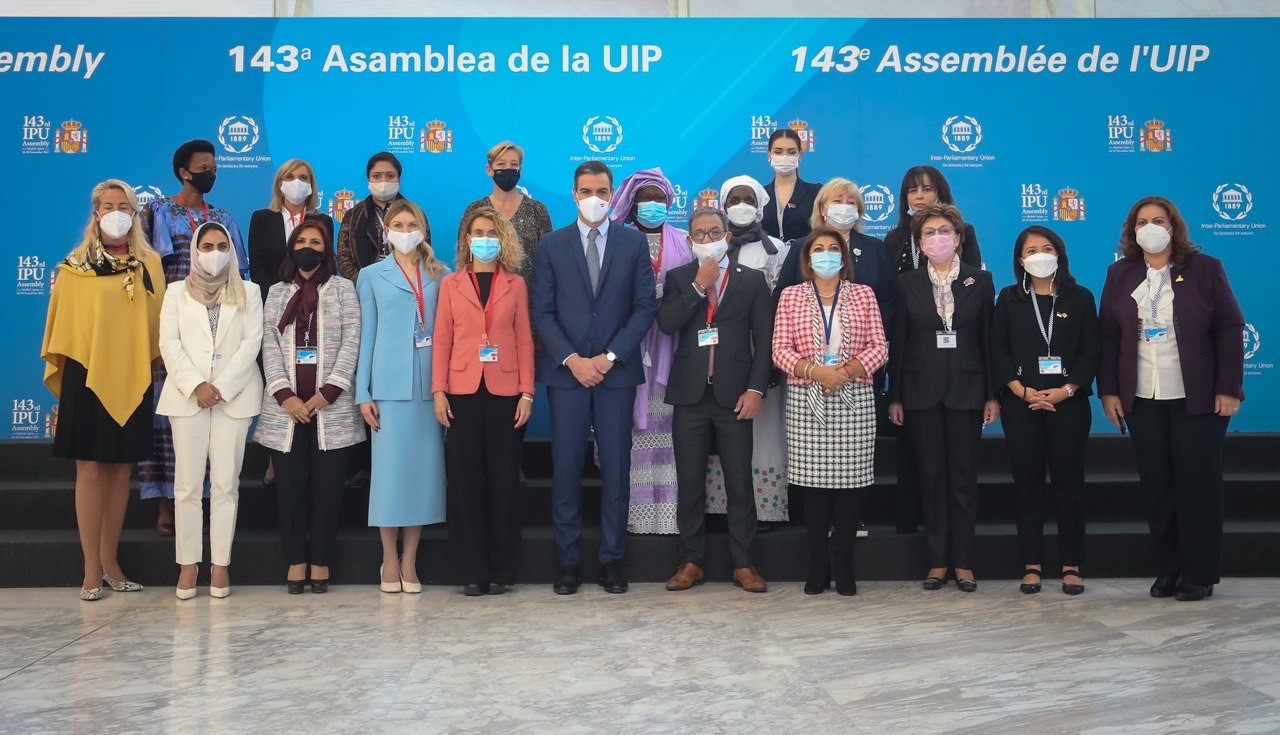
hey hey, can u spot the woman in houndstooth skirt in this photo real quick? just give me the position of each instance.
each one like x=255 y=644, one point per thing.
x=829 y=339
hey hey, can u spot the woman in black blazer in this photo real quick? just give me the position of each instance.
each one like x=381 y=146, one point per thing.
x=294 y=195
x=1045 y=348
x=940 y=386
x=791 y=197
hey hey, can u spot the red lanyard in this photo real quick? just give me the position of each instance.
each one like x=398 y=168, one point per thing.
x=711 y=308
x=657 y=264
x=195 y=224
x=475 y=281
x=416 y=287
x=292 y=224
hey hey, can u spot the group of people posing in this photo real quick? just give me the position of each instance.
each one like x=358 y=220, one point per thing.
x=717 y=368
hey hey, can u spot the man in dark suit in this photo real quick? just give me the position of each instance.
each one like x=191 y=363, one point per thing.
x=722 y=313
x=593 y=300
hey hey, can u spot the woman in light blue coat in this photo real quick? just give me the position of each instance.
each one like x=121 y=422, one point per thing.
x=393 y=388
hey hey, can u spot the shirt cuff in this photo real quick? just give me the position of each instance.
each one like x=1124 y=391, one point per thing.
x=566 y=360
x=757 y=392
x=283 y=395
x=330 y=392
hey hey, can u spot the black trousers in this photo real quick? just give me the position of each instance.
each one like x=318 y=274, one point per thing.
x=834 y=513
x=692 y=430
x=1058 y=438
x=946 y=447
x=1180 y=467
x=482 y=456
x=309 y=485
x=907 y=491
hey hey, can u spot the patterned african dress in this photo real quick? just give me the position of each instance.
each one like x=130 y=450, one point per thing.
x=169 y=225
x=769 y=430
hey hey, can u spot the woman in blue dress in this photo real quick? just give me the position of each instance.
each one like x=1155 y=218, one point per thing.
x=393 y=389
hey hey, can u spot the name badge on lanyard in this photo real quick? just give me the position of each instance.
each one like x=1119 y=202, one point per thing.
x=307 y=356
x=946 y=339
x=708 y=337
x=1050 y=365
x=1155 y=333
x=421 y=337
x=488 y=353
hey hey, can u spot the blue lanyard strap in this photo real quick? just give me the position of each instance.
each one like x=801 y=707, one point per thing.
x=828 y=319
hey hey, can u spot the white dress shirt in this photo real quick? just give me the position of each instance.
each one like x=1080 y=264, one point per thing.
x=1159 y=367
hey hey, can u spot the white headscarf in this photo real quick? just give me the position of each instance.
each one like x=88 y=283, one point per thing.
x=762 y=199
x=207 y=288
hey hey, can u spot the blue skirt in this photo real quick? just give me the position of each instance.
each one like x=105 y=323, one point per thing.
x=406 y=479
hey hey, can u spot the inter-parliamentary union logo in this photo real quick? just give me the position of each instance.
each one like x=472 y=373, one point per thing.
x=1232 y=201
x=146 y=194
x=961 y=133
x=877 y=201
x=1252 y=341
x=1068 y=205
x=238 y=134
x=72 y=137
x=602 y=133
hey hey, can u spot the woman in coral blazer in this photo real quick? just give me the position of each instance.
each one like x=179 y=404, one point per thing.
x=482 y=382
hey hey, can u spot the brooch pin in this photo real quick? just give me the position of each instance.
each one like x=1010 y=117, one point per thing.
x=1062 y=315
x=1178 y=279
x=968 y=281
x=857 y=252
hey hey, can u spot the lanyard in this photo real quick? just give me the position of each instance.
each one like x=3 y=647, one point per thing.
x=828 y=320
x=195 y=224
x=1155 y=297
x=711 y=308
x=781 y=236
x=475 y=281
x=294 y=221
x=306 y=337
x=1046 y=333
x=416 y=287
x=915 y=254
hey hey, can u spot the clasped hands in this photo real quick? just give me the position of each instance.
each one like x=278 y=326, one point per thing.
x=589 y=371
x=834 y=377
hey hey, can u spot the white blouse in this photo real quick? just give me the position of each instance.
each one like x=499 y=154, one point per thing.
x=1159 y=368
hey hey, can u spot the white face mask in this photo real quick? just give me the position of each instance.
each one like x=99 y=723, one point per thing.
x=742 y=214
x=296 y=191
x=404 y=242
x=593 y=209
x=214 y=261
x=784 y=164
x=115 y=224
x=1041 y=265
x=1152 y=238
x=705 y=251
x=384 y=191
x=842 y=216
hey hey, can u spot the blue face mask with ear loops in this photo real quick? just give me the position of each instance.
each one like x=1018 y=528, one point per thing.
x=826 y=263
x=485 y=249
x=651 y=214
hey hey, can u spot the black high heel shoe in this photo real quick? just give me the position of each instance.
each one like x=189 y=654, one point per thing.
x=1164 y=586
x=296 y=587
x=966 y=585
x=1188 y=592
x=1072 y=589
x=935 y=583
x=819 y=579
x=1034 y=587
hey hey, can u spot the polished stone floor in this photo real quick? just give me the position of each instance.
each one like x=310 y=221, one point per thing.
x=894 y=660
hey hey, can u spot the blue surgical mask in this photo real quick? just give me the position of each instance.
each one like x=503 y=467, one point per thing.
x=485 y=249
x=826 y=263
x=651 y=214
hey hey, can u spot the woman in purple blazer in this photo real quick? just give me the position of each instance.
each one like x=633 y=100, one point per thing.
x=1173 y=370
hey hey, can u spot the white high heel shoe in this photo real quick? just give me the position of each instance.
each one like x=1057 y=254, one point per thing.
x=388 y=586
x=413 y=588
x=218 y=592
x=182 y=594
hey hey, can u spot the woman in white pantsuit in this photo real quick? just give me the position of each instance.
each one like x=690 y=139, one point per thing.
x=210 y=334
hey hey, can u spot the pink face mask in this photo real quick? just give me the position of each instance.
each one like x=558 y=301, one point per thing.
x=939 y=248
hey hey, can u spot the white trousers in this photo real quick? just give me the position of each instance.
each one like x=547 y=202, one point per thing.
x=213 y=438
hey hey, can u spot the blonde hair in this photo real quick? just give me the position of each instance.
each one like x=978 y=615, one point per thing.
x=430 y=264
x=91 y=242
x=511 y=254
x=232 y=293
x=503 y=147
x=277 y=198
x=831 y=190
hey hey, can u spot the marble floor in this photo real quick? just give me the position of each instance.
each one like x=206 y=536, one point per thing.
x=894 y=660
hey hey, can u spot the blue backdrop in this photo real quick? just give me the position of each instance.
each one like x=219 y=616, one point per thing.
x=1058 y=122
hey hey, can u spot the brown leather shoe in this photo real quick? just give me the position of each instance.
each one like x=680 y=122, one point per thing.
x=685 y=577
x=749 y=579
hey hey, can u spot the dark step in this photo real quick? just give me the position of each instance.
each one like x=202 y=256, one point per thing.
x=51 y=558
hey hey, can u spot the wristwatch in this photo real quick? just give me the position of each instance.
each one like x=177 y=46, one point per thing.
x=1070 y=391
x=611 y=356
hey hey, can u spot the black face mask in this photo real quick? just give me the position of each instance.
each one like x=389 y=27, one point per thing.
x=306 y=259
x=506 y=178
x=203 y=181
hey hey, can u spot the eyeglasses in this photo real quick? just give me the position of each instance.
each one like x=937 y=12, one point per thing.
x=944 y=231
x=707 y=235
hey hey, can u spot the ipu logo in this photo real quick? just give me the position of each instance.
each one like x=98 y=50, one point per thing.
x=1232 y=201
x=877 y=201
x=1252 y=341
x=961 y=133
x=602 y=133
x=28 y=419
x=238 y=134
x=146 y=194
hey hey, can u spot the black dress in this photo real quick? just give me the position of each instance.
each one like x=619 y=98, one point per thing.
x=85 y=431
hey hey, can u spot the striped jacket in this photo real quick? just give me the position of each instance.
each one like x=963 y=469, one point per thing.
x=338 y=323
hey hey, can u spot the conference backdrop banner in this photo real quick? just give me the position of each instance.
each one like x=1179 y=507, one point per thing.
x=1061 y=123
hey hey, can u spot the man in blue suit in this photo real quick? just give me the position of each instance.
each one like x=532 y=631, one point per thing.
x=593 y=301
